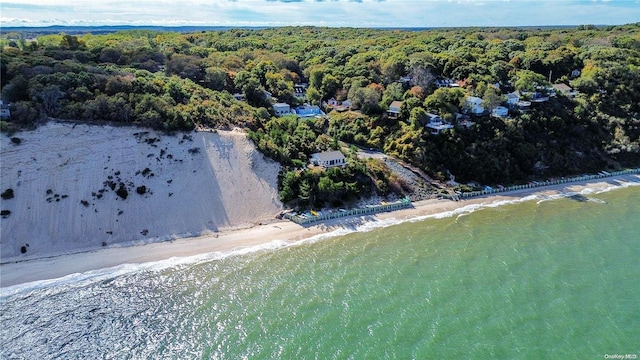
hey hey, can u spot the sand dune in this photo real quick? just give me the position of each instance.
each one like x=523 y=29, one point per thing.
x=81 y=187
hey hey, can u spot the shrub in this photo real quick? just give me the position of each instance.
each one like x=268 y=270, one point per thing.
x=122 y=191
x=7 y=194
x=141 y=189
x=16 y=140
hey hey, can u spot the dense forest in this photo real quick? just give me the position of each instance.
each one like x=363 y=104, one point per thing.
x=181 y=81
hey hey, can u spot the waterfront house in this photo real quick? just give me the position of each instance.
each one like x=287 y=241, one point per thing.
x=306 y=110
x=436 y=125
x=500 y=111
x=281 y=109
x=328 y=159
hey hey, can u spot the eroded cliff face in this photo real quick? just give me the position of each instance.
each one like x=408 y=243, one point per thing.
x=81 y=187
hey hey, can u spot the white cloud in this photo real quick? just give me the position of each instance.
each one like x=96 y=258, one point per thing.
x=389 y=13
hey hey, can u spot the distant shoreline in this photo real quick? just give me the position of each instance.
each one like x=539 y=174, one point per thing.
x=106 y=29
x=284 y=232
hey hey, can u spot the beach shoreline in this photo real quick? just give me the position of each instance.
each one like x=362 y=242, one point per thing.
x=283 y=232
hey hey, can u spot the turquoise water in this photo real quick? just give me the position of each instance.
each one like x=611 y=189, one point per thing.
x=532 y=280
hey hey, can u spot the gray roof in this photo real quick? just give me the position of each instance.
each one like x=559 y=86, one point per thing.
x=328 y=155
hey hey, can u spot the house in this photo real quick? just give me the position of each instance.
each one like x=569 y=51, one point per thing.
x=394 y=109
x=463 y=121
x=267 y=95
x=300 y=91
x=436 y=125
x=282 y=109
x=475 y=105
x=447 y=83
x=341 y=107
x=328 y=159
x=513 y=98
x=500 y=111
x=575 y=73
x=332 y=102
x=538 y=97
x=239 y=97
x=5 y=113
x=466 y=123
x=307 y=110
x=564 y=89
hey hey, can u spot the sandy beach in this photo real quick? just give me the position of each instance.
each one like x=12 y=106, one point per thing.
x=79 y=187
x=281 y=231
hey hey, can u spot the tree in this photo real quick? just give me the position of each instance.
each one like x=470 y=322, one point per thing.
x=49 y=96
x=313 y=95
x=365 y=98
x=215 y=78
x=185 y=66
x=394 y=67
x=250 y=86
x=330 y=85
x=445 y=101
x=393 y=92
x=288 y=186
x=492 y=98
x=421 y=76
x=500 y=71
x=418 y=117
x=71 y=42
x=527 y=80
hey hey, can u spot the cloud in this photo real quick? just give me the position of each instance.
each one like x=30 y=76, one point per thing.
x=353 y=13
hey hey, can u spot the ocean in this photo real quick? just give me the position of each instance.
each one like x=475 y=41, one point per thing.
x=544 y=278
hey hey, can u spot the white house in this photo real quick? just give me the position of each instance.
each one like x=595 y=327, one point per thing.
x=328 y=159
x=347 y=103
x=500 y=111
x=394 y=108
x=436 y=125
x=281 y=109
x=513 y=98
x=475 y=105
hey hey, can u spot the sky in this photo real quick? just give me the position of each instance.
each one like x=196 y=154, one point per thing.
x=334 y=13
